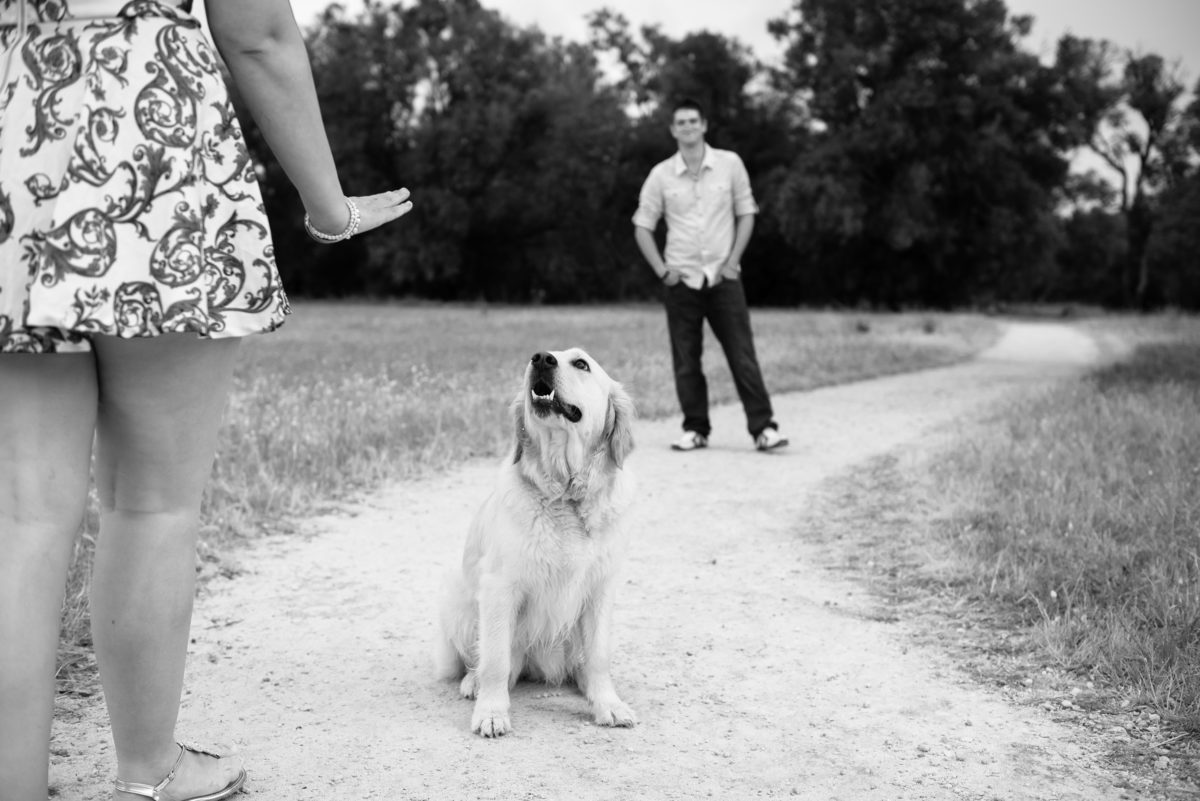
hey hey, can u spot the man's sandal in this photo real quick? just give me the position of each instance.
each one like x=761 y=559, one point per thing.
x=155 y=791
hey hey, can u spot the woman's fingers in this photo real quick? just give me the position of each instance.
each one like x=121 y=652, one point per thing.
x=383 y=200
x=377 y=210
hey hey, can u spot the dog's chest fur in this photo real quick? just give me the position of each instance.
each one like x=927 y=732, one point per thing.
x=569 y=553
x=566 y=540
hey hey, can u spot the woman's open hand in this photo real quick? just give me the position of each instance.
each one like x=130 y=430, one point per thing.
x=357 y=214
x=377 y=210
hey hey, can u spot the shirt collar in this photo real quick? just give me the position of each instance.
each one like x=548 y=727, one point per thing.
x=705 y=163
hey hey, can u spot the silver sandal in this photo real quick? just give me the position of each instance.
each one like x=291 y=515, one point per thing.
x=155 y=791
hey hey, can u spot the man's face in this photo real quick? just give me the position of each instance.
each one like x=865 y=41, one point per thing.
x=688 y=127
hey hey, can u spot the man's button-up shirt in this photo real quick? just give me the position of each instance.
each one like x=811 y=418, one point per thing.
x=700 y=211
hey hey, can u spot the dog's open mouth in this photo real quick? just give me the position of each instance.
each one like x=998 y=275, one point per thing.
x=545 y=401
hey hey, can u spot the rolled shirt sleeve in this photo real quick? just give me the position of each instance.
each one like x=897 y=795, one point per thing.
x=650 y=202
x=743 y=195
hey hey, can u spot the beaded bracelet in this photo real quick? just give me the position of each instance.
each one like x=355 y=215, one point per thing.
x=351 y=227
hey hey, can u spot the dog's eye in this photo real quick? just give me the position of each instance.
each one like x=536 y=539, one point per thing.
x=582 y=365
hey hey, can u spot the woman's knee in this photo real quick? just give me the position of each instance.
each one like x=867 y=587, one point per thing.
x=46 y=430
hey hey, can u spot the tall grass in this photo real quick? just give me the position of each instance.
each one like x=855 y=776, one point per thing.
x=1083 y=517
x=347 y=396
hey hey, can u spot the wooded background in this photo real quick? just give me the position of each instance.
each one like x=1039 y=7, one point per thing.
x=908 y=153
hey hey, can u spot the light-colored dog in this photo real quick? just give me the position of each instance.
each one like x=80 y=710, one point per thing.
x=535 y=594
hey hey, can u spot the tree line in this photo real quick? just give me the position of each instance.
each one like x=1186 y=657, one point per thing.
x=905 y=153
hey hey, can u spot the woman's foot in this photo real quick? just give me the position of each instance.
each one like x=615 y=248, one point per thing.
x=196 y=774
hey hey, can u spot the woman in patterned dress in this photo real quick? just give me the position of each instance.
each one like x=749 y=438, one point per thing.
x=134 y=254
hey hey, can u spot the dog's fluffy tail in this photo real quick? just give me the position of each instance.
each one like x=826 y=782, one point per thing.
x=456 y=612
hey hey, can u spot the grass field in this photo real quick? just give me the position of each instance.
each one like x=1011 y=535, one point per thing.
x=1074 y=525
x=347 y=396
x=1087 y=518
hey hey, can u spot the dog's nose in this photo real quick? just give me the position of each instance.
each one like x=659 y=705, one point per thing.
x=544 y=359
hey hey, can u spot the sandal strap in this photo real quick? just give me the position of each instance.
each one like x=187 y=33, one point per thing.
x=155 y=791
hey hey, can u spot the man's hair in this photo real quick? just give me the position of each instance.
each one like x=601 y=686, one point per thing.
x=688 y=104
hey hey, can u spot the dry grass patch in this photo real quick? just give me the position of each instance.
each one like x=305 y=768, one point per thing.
x=1084 y=517
x=1054 y=550
x=1065 y=532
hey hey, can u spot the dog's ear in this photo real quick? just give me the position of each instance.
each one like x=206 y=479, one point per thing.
x=618 y=425
x=521 y=436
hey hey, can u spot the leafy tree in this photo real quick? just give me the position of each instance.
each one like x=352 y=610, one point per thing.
x=1173 y=250
x=507 y=141
x=938 y=144
x=1088 y=264
x=1134 y=139
x=908 y=152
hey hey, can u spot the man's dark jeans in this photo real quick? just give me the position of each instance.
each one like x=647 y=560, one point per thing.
x=724 y=306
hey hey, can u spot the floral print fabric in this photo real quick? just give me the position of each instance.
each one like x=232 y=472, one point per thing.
x=128 y=202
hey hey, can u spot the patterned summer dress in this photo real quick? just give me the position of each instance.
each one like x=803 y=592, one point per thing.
x=128 y=202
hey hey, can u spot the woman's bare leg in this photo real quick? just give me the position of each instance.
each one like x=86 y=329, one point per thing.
x=47 y=418
x=160 y=407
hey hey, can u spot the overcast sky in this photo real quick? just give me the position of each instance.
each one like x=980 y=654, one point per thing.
x=1170 y=28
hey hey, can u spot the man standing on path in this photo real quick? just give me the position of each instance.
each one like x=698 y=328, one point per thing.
x=704 y=194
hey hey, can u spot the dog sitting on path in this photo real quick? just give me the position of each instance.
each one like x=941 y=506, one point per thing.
x=534 y=598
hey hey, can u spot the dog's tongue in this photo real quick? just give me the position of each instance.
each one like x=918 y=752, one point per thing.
x=568 y=411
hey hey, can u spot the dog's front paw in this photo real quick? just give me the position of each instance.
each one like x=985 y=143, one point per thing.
x=614 y=712
x=490 y=721
x=466 y=687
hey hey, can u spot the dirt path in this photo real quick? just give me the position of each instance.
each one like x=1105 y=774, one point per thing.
x=751 y=672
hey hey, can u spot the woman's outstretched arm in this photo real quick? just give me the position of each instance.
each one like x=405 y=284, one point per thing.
x=264 y=50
